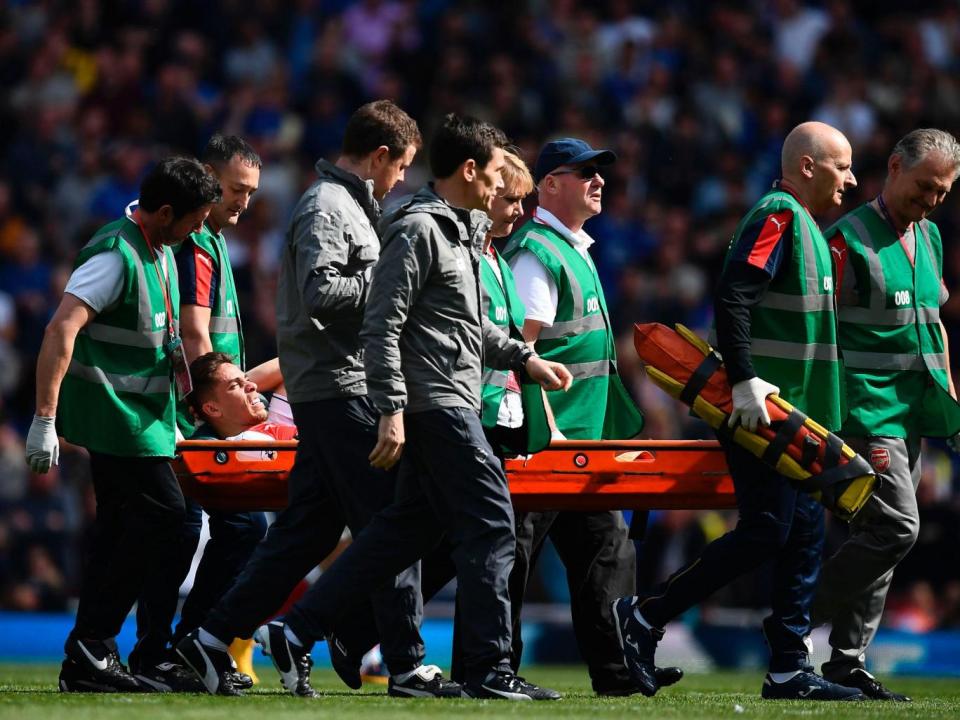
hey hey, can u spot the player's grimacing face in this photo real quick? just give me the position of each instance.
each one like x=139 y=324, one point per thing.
x=237 y=397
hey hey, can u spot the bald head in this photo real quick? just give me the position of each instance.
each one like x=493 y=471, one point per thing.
x=816 y=161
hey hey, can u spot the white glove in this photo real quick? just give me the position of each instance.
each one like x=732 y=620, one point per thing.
x=43 y=446
x=749 y=403
x=954 y=443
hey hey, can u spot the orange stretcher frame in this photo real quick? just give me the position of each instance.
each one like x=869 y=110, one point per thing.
x=569 y=475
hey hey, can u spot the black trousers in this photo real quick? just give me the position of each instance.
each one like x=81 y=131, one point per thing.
x=601 y=566
x=331 y=486
x=233 y=538
x=600 y=562
x=452 y=484
x=140 y=514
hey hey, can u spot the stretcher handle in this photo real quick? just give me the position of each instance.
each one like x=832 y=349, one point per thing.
x=236 y=445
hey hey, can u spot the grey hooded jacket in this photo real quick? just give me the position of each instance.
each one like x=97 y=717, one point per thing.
x=425 y=338
x=331 y=247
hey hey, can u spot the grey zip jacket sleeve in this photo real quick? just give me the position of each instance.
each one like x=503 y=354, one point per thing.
x=330 y=249
x=425 y=338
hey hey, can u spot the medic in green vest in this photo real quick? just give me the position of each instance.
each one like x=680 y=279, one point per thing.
x=566 y=311
x=210 y=311
x=889 y=269
x=512 y=411
x=110 y=359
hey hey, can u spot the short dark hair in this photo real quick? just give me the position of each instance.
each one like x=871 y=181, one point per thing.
x=181 y=183
x=380 y=123
x=461 y=138
x=221 y=149
x=203 y=371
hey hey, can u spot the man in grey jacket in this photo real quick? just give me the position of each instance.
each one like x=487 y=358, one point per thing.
x=331 y=248
x=425 y=343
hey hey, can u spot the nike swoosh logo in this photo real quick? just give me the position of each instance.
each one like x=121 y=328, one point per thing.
x=210 y=677
x=98 y=664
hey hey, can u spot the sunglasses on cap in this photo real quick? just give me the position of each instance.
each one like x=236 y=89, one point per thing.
x=584 y=172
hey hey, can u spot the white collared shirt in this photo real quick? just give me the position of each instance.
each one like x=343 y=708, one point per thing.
x=535 y=286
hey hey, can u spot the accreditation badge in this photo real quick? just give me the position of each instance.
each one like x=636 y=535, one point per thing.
x=181 y=371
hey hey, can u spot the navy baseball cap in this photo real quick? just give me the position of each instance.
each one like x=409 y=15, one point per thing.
x=568 y=151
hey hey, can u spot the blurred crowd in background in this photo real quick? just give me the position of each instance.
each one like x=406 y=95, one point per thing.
x=694 y=96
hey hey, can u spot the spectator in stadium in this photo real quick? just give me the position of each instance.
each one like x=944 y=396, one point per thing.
x=567 y=321
x=423 y=315
x=889 y=276
x=325 y=277
x=774 y=304
x=111 y=352
x=209 y=320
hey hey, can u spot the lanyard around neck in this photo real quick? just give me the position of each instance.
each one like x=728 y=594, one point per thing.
x=164 y=286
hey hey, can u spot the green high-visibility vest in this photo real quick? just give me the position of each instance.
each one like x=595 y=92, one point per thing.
x=597 y=406
x=226 y=331
x=893 y=353
x=794 y=326
x=118 y=395
x=506 y=311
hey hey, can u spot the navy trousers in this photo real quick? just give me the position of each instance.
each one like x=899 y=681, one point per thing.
x=777 y=523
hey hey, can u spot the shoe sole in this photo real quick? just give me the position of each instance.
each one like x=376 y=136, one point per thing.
x=157 y=685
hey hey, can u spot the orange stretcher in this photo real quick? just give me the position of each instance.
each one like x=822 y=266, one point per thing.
x=569 y=475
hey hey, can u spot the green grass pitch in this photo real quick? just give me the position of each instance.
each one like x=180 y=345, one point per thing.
x=28 y=692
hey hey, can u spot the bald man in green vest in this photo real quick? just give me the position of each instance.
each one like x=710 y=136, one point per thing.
x=776 y=329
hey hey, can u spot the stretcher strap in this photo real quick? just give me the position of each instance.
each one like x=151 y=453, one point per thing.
x=831 y=456
x=699 y=378
x=857 y=467
x=808 y=454
x=784 y=437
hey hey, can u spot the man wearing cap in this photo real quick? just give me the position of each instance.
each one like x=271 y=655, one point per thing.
x=567 y=321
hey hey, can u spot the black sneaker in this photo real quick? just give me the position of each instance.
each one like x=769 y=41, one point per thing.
x=869 y=686
x=501 y=685
x=664 y=676
x=639 y=644
x=292 y=661
x=344 y=664
x=807 y=686
x=213 y=666
x=241 y=680
x=426 y=681
x=536 y=692
x=170 y=677
x=94 y=666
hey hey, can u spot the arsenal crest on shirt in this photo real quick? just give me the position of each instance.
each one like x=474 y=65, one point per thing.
x=880 y=459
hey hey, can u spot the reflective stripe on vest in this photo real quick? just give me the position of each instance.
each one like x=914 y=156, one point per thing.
x=125 y=383
x=785 y=350
x=225 y=325
x=597 y=368
x=894 y=361
x=797 y=303
x=574 y=327
x=495 y=378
